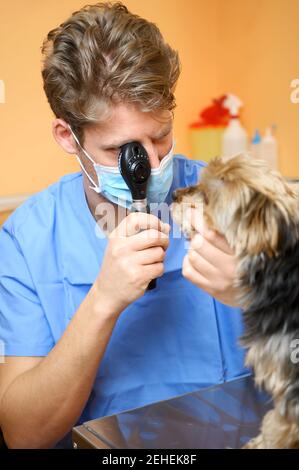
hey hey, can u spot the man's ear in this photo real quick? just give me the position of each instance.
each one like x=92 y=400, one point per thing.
x=63 y=136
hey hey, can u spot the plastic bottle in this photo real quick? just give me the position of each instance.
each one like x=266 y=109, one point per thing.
x=234 y=140
x=269 y=150
x=256 y=143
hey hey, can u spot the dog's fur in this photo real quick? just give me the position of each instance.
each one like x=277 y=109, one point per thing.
x=258 y=213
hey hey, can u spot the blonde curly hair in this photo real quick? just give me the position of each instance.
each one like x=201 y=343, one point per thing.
x=103 y=55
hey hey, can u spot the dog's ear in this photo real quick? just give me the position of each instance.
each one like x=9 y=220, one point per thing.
x=259 y=228
x=268 y=225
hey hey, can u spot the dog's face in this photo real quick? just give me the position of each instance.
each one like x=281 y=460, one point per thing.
x=244 y=200
x=258 y=213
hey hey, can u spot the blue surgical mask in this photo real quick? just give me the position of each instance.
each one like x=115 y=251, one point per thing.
x=114 y=188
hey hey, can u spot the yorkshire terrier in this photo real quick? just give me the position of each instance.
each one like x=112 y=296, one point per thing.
x=257 y=211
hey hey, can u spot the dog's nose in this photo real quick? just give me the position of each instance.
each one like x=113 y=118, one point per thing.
x=174 y=196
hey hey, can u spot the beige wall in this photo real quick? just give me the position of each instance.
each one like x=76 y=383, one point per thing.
x=246 y=46
x=30 y=159
x=258 y=57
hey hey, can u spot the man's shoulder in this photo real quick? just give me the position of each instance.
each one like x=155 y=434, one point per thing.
x=186 y=170
x=40 y=208
x=183 y=158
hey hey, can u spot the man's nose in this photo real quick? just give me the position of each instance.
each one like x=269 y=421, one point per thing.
x=153 y=156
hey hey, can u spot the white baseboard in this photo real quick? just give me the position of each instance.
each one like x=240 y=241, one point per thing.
x=9 y=203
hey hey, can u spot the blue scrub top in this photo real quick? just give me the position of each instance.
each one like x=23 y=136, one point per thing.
x=173 y=340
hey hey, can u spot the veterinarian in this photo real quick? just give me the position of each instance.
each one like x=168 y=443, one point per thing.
x=83 y=336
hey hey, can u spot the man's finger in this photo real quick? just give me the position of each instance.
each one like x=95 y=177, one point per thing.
x=148 y=238
x=137 y=221
x=214 y=238
x=201 y=265
x=208 y=250
x=194 y=276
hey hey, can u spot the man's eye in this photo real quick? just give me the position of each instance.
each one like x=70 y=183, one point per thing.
x=164 y=136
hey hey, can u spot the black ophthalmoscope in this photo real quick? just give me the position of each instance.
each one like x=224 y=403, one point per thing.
x=135 y=168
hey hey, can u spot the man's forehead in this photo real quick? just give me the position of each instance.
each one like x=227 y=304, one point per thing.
x=120 y=131
x=119 y=140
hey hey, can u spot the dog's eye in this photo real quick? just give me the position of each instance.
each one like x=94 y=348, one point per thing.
x=205 y=197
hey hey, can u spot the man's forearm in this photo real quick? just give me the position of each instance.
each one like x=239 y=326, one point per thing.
x=41 y=405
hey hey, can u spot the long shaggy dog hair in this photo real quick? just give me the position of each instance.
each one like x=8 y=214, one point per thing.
x=258 y=213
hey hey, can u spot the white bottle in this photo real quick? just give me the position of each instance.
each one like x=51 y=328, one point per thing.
x=269 y=151
x=256 y=144
x=234 y=139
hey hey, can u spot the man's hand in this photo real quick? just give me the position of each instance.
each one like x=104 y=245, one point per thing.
x=211 y=264
x=134 y=256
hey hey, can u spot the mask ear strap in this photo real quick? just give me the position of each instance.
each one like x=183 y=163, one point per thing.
x=94 y=187
x=164 y=161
